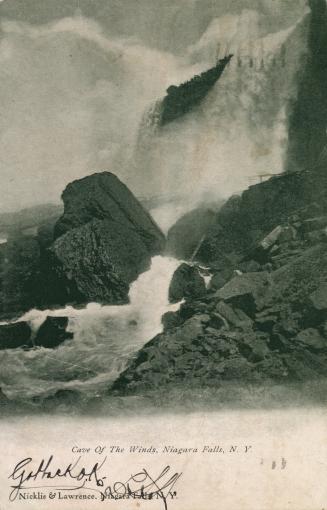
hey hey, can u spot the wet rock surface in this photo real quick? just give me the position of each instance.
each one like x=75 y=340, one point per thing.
x=263 y=316
x=186 y=283
x=105 y=239
x=15 y=335
x=53 y=332
x=101 y=243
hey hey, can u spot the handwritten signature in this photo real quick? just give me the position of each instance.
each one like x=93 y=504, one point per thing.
x=140 y=485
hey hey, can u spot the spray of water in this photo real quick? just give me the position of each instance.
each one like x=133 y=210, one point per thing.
x=105 y=338
x=239 y=132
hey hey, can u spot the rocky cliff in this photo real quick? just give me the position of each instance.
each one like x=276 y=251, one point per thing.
x=100 y=244
x=103 y=196
x=263 y=317
x=104 y=240
x=308 y=115
x=184 y=98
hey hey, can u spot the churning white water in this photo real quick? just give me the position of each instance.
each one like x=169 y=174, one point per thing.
x=105 y=338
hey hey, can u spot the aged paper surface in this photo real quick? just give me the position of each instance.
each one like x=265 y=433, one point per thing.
x=163 y=254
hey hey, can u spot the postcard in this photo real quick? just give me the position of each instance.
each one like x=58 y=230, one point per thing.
x=163 y=254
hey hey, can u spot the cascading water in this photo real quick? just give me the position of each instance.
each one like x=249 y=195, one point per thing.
x=239 y=131
x=105 y=338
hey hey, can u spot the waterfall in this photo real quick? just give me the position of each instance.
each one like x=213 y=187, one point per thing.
x=105 y=338
x=239 y=132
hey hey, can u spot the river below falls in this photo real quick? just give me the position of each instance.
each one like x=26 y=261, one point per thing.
x=105 y=339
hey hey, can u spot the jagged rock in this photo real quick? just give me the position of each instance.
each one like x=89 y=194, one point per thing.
x=258 y=345
x=312 y=224
x=244 y=222
x=183 y=98
x=266 y=323
x=104 y=240
x=220 y=278
x=279 y=343
x=317 y=236
x=245 y=302
x=317 y=308
x=271 y=238
x=236 y=368
x=287 y=235
x=270 y=245
x=243 y=291
x=103 y=196
x=235 y=317
x=98 y=261
x=53 y=332
x=17 y=334
x=190 y=308
x=170 y=320
x=185 y=235
x=253 y=283
x=312 y=339
x=186 y=283
x=217 y=321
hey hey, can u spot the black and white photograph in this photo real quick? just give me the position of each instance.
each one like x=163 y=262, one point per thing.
x=163 y=254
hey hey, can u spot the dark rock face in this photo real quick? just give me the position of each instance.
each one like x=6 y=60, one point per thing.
x=101 y=243
x=104 y=197
x=307 y=122
x=170 y=320
x=265 y=217
x=98 y=261
x=15 y=335
x=184 y=237
x=244 y=291
x=183 y=98
x=319 y=298
x=220 y=278
x=186 y=283
x=52 y=332
x=312 y=339
x=104 y=240
x=259 y=326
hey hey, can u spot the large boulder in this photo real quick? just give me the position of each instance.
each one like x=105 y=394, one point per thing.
x=15 y=335
x=104 y=240
x=312 y=339
x=98 y=261
x=318 y=298
x=53 y=332
x=245 y=291
x=103 y=196
x=186 y=283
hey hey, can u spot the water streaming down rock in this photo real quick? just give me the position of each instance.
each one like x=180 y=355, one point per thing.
x=105 y=337
x=239 y=130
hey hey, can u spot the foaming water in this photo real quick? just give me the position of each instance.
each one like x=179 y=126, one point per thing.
x=105 y=338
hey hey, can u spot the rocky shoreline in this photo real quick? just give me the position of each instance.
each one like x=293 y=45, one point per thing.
x=263 y=316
